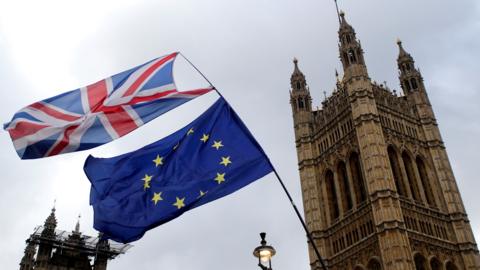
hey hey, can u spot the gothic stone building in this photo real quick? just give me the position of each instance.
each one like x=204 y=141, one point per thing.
x=378 y=188
x=52 y=249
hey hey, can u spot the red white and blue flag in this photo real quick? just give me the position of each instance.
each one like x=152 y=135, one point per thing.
x=99 y=113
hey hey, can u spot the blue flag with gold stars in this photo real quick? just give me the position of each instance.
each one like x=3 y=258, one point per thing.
x=212 y=157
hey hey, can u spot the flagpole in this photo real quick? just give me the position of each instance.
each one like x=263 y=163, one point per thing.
x=309 y=235
x=206 y=79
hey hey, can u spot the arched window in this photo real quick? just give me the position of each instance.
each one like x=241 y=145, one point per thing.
x=301 y=104
x=359 y=54
x=406 y=83
x=351 y=56
x=414 y=83
x=345 y=58
x=427 y=187
x=420 y=262
x=397 y=173
x=451 y=266
x=344 y=186
x=298 y=85
x=358 y=180
x=407 y=66
x=374 y=264
x=412 y=180
x=435 y=264
x=349 y=39
x=331 y=195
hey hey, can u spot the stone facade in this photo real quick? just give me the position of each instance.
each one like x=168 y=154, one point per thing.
x=378 y=189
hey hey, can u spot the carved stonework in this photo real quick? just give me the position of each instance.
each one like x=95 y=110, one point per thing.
x=387 y=197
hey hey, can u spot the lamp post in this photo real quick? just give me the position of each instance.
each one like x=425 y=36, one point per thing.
x=264 y=254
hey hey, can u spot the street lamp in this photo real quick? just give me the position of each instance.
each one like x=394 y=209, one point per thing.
x=264 y=254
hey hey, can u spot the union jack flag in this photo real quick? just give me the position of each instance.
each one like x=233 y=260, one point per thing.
x=98 y=113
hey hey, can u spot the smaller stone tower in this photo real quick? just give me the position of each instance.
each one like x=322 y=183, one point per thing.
x=51 y=249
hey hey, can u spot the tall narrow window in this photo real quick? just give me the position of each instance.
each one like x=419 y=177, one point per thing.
x=374 y=264
x=427 y=187
x=331 y=195
x=301 y=104
x=352 y=57
x=345 y=58
x=345 y=193
x=420 y=262
x=397 y=174
x=451 y=266
x=412 y=180
x=298 y=85
x=358 y=180
x=407 y=85
x=414 y=83
x=359 y=54
x=435 y=264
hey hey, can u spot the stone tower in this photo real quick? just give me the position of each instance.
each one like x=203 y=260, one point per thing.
x=378 y=189
x=52 y=249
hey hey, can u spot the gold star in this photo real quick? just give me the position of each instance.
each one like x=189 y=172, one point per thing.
x=190 y=131
x=179 y=203
x=157 y=197
x=146 y=179
x=202 y=193
x=220 y=178
x=225 y=161
x=217 y=145
x=158 y=161
x=205 y=138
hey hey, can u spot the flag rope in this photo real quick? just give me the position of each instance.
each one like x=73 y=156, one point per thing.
x=309 y=235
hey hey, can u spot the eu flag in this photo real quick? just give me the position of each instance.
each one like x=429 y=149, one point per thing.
x=212 y=157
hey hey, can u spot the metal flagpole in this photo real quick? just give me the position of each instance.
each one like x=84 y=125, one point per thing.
x=309 y=235
x=338 y=13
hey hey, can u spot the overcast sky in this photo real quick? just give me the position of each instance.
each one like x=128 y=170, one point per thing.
x=246 y=49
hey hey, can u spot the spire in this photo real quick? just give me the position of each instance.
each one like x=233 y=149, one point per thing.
x=402 y=53
x=50 y=224
x=77 y=226
x=344 y=25
x=51 y=221
x=297 y=80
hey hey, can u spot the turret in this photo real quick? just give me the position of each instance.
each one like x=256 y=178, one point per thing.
x=410 y=77
x=300 y=94
x=28 y=260
x=103 y=249
x=351 y=52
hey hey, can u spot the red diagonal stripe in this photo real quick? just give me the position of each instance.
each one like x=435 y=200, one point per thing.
x=24 y=128
x=52 y=112
x=199 y=92
x=63 y=142
x=121 y=121
x=138 y=99
x=156 y=96
x=146 y=74
x=97 y=93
